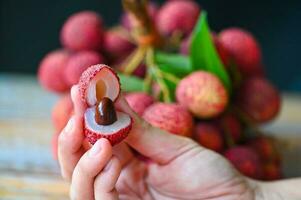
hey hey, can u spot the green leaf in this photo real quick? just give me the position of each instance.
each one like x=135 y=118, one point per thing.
x=130 y=83
x=176 y=64
x=203 y=54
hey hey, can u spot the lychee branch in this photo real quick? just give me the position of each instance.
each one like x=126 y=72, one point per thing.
x=157 y=74
x=144 y=30
x=133 y=61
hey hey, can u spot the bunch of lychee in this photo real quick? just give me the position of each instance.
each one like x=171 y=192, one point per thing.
x=202 y=109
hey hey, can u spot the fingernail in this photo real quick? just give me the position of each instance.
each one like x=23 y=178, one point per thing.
x=69 y=126
x=96 y=148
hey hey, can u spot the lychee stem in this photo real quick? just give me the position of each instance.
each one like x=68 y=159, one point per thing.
x=133 y=61
x=144 y=30
x=158 y=74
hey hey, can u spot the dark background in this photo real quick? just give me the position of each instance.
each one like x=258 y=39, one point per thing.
x=29 y=29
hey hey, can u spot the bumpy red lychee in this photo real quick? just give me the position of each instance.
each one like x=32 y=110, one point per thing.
x=178 y=15
x=231 y=126
x=265 y=148
x=272 y=171
x=203 y=94
x=244 y=50
x=245 y=160
x=78 y=63
x=209 y=136
x=82 y=31
x=259 y=99
x=61 y=112
x=139 y=101
x=117 y=44
x=51 y=69
x=170 y=117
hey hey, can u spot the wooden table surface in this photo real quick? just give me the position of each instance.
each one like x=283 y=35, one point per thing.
x=27 y=170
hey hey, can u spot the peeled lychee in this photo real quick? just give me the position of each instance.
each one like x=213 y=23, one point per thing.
x=51 y=71
x=203 y=94
x=117 y=45
x=258 y=99
x=83 y=31
x=265 y=148
x=178 y=16
x=99 y=87
x=209 y=136
x=231 y=126
x=170 y=117
x=245 y=160
x=139 y=101
x=244 y=50
x=78 y=63
x=61 y=112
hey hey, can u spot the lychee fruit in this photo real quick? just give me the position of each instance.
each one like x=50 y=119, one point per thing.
x=230 y=126
x=265 y=148
x=82 y=31
x=244 y=50
x=117 y=45
x=78 y=63
x=272 y=171
x=209 y=136
x=258 y=99
x=203 y=94
x=245 y=160
x=139 y=101
x=51 y=69
x=170 y=117
x=61 y=112
x=177 y=16
x=127 y=22
x=99 y=88
x=222 y=51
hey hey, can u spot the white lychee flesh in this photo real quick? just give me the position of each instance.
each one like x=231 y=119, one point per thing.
x=123 y=121
x=104 y=84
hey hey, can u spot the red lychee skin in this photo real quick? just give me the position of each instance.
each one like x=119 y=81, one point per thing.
x=245 y=160
x=265 y=148
x=170 y=117
x=127 y=23
x=178 y=15
x=258 y=99
x=209 y=136
x=231 y=126
x=244 y=50
x=203 y=94
x=114 y=138
x=78 y=63
x=61 y=112
x=88 y=75
x=222 y=51
x=139 y=101
x=117 y=44
x=271 y=172
x=51 y=68
x=82 y=31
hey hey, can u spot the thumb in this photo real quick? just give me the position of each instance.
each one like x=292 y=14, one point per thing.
x=159 y=145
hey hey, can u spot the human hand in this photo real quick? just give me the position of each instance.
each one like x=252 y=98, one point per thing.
x=179 y=167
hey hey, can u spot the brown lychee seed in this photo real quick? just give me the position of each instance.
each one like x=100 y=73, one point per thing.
x=99 y=87
x=105 y=113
